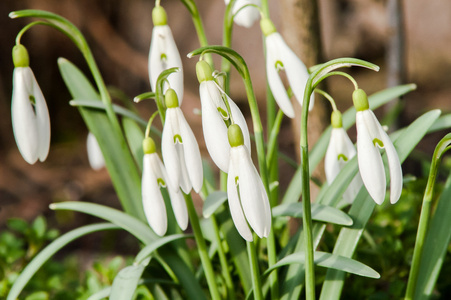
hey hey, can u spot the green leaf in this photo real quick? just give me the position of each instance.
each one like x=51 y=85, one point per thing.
x=322 y=213
x=17 y=224
x=118 y=159
x=363 y=206
x=49 y=251
x=147 y=251
x=328 y=260
x=131 y=224
x=213 y=202
x=435 y=245
x=38 y=296
x=102 y=294
x=125 y=283
x=135 y=137
x=39 y=227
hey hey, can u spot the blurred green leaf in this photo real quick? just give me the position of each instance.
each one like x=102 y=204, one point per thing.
x=322 y=213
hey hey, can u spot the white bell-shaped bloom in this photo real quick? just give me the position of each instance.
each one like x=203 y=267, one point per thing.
x=30 y=115
x=246 y=16
x=154 y=176
x=180 y=150
x=339 y=152
x=248 y=200
x=164 y=54
x=95 y=156
x=215 y=116
x=280 y=57
x=371 y=137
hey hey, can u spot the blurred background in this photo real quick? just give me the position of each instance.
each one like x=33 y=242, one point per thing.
x=119 y=34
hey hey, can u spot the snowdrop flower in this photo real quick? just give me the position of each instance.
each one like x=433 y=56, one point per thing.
x=248 y=200
x=215 y=116
x=180 y=150
x=247 y=16
x=30 y=116
x=278 y=57
x=163 y=53
x=339 y=152
x=95 y=156
x=370 y=137
x=155 y=176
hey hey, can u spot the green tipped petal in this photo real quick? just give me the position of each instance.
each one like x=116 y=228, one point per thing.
x=20 y=56
x=360 y=100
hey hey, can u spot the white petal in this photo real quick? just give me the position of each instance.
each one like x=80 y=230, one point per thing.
x=95 y=156
x=247 y=16
x=234 y=202
x=179 y=207
x=254 y=199
x=193 y=159
x=168 y=149
x=214 y=128
x=241 y=121
x=153 y=202
x=331 y=163
x=24 y=121
x=163 y=43
x=274 y=81
x=394 y=167
x=370 y=162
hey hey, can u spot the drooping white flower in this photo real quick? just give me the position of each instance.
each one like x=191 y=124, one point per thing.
x=279 y=56
x=339 y=152
x=371 y=137
x=163 y=53
x=248 y=200
x=154 y=176
x=30 y=115
x=180 y=150
x=95 y=156
x=247 y=16
x=215 y=116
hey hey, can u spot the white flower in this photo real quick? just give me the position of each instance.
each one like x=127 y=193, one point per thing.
x=279 y=56
x=180 y=150
x=339 y=152
x=214 y=115
x=247 y=196
x=154 y=176
x=371 y=137
x=30 y=116
x=247 y=16
x=95 y=156
x=164 y=54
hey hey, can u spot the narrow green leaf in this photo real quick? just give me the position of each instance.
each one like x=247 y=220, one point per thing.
x=49 y=251
x=213 y=202
x=147 y=251
x=125 y=282
x=322 y=213
x=135 y=137
x=330 y=261
x=131 y=224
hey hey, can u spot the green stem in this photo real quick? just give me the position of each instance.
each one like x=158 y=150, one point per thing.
x=425 y=215
x=223 y=260
x=253 y=261
x=202 y=248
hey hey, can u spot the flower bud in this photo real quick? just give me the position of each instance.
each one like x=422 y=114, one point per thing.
x=336 y=119
x=267 y=26
x=235 y=135
x=170 y=98
x=149 y=146
x=159 y=16
x=360 y=100
x=203 y=71
x=20 y=56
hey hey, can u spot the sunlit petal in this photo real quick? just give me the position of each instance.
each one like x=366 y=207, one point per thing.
x=168 y=149
x=241 y=121
x=247 y=16
x=95 y=156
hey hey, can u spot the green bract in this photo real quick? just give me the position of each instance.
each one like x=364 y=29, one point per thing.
x=149 y=146
x=360 y=100
x=235 y=135
x=267 y=26
x=170 y=98
x=203 y=71
x=159 y=16
x=20 y=56
x=336 y=119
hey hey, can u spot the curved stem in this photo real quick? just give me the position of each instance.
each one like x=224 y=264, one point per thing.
x=202 y=248
x=356 y=86
x=423 y=225
x=328 y=97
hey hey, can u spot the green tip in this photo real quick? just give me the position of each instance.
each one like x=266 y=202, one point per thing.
x=203 y=71
x=235 y=135
x=360 y=100
x=20 y=56
x=267 y=26
x=149 y=146
x=336 y=119
x=171 y=99
x=159 y=16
